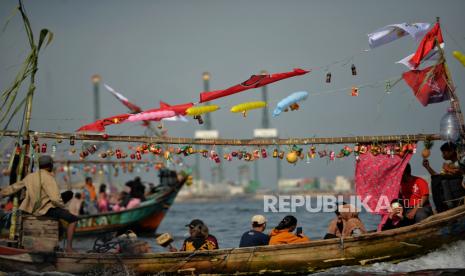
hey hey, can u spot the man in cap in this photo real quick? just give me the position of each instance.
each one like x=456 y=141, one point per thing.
x=255 y=237
x=43 y=196
x=193 y=226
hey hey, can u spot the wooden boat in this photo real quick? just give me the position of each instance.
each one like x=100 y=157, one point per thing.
x=392 y=245
x=144 y=218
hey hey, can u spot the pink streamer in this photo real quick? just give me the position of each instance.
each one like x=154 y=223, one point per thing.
x=151 y=116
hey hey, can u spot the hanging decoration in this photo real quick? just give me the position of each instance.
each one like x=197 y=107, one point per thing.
x=290 y=102
x=387 y=87
x=459 y=56
x=328 y=77
x=254 y=81
x=393 y=32
x=151 y=116
x=429 y=85
x=354 y=91
x=354 y=70
x=198 y=111
x=245 y=107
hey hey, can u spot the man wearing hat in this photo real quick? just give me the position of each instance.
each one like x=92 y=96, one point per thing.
x=193 y=225
x=43 y=196
x=255 y=237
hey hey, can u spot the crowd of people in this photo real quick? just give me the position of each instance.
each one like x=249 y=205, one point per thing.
x=43 y=198
x=411 y=206
x=89 y=202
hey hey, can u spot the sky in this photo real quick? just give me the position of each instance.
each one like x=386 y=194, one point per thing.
x=158 y=50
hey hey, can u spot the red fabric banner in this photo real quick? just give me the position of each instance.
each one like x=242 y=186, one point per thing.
x=427 y=44
x=254 y=81
x=379 y=176
x=428 y=85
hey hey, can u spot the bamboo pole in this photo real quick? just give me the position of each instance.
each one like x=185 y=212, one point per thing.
x=234 y=142
x=27 y=119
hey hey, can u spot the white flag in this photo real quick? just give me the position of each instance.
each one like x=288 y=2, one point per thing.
x=432 y=55
x=392 y=32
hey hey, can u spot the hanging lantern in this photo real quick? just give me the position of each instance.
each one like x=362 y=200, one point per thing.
x=322 y=153
x=118 y=153
x=264 y=154
x=72 y=150
x=138 y=155
x=59 y=140
x=72 y=140
x=248 y=157
x=354 y=70
x=275 y=153
x=132 y=156
x=328 y=77
x=234 y=153
x=449 y=126
x=103 y=155
x=281 y=155
x=54 y=148
x=354 y=91
x=312 y=152
x=44 y=148
x=205 y=153
x=256 y=154
x=190 y=150
x=387 y=88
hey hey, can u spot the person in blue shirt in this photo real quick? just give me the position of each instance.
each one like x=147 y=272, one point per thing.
x=255 y=237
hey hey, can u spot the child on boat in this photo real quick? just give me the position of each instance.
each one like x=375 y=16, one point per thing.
x=346 y=224
x=447 y=186
x=282 y=234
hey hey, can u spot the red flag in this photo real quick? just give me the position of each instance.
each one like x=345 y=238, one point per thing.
x=254 y=81
x=428 y=85
x=427 y=44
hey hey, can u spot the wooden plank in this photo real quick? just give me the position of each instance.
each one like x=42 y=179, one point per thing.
x=39 y=244
x=234 y=142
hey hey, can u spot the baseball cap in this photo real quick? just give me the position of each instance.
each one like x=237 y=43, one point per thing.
x=195 y=222
x=259 y=219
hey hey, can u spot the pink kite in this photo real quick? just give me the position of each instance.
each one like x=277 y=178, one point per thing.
x=254 y=81
x=377 y=178
x=151 y=116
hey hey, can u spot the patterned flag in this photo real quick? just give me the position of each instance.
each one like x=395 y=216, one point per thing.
x=429 y=85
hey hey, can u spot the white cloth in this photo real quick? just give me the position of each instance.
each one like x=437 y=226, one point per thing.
x=392 y=32
x=432 y=55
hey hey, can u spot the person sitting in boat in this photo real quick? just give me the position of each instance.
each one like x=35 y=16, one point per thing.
x=282 y=234
x=123 y=201
x=137 y=189
x=396 y=217
x=102 y=202
x=200 y=238
x=447 y=186
x=194 y=223
x=255 y=237
x=90 y=197
x=43 y=196
x=346 y=224
x=414 y=192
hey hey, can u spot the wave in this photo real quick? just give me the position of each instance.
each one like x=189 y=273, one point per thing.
x=448 y=257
